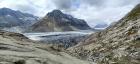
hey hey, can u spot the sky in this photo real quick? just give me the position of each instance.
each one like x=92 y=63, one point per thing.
x=92 y=11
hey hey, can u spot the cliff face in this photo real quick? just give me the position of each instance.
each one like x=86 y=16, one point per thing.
x=118 y=44
x=58 y=21
x=17 y=49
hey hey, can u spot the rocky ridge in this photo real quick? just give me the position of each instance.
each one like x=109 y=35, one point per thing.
x=118 y=44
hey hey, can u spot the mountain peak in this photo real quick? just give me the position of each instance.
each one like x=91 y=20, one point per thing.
x=59 y=21
x=5 y=8
x=54 y=13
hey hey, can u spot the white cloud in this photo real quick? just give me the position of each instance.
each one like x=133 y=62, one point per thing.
x=107 y=13
x=36 y=7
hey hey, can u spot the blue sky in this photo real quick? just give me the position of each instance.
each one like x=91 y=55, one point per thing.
x=93 y=11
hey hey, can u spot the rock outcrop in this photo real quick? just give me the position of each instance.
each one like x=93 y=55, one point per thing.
x=118 y=44
x=17 y=49
x=58 y=21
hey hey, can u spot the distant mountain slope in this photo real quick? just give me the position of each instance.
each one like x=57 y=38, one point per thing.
x=118 y=44
x=11 y=18
x=58 y=21
x=101 y=26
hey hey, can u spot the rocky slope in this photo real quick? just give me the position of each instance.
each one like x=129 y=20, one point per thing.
x=11 y=18
x=58 y=21
x=118 y=44
x=17 y=49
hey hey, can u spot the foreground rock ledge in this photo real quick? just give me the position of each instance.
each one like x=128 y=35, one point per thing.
x=17 y=49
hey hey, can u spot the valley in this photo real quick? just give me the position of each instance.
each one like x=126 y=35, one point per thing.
x=68 y=38
x=61 y=38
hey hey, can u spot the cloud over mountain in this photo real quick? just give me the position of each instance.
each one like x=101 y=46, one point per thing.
x=93 y=11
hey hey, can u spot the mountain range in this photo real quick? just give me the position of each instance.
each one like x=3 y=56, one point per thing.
x=16 y=21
